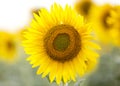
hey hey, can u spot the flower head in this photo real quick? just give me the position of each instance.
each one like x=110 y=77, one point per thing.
x=60 y=43
x=7 y=46
x=99 y=18
x=84 y=7
x=114 y=20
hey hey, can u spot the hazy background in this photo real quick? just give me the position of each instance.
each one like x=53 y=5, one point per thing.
x=15 y=14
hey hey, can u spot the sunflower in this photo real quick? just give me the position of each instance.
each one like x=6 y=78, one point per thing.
x=115 y=21
x=84 y=7
x=7 y=46
x=60 y=43
x=99 y=18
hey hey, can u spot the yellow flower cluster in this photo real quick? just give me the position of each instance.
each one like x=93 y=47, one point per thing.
x=105 y=20
x=62 y=41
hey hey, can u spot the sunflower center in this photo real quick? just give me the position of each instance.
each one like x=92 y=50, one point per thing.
x=62 y=43
x=105 y=17
x=10 y=45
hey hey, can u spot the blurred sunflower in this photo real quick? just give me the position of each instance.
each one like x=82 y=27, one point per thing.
x=115 y=21
x=7 y=46
x=61 y=44
x=84 y=7
x=99 y=18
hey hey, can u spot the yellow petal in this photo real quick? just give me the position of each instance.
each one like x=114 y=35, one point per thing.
x=54 y=68
x=43 y=66
x=92 y=44
x=59 y=73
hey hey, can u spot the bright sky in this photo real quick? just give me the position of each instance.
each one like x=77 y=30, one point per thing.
x=15 y=14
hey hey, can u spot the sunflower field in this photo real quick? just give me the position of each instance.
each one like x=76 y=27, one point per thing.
x=60 y=43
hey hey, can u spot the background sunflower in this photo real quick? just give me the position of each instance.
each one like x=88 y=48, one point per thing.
x=99 y=19
x=83 y=7
x=8 y=49
x=115 y=21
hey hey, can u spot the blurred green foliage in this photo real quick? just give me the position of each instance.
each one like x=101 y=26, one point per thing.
x=108 y=71
x=21 y=74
